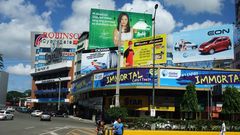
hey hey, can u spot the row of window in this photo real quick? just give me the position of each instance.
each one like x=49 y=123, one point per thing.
x=49 y=50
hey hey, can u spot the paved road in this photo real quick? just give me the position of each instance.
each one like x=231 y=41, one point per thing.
x=24 y=124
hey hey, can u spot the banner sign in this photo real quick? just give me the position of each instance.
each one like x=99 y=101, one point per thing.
x=142 y=51
x=213 y=43
x=128 y=77
x=105 y=25
x=201 y=78
x=97 y=59
x=82 y=84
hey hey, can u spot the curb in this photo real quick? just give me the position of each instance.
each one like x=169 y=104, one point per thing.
x=80 y=119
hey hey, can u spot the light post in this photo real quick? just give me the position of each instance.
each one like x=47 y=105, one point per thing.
x=59 y=94
x=117 y=103
x=153 y=78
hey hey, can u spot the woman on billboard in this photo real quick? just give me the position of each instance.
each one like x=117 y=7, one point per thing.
x=126 y=30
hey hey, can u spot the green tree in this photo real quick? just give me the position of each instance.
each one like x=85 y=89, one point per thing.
x=115 y=112
x=189 y=104
x=13 y=96
x=27 y=93
x=231 y=101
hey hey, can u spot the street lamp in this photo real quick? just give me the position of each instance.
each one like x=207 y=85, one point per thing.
x=153 y=78
x=59 y=93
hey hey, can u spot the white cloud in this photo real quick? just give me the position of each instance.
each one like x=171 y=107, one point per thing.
x=15 y=32
x=53 y=4
x=203 y=25
x=19 y=69
x=165 y=22
x=197 y=6
x=79 y=20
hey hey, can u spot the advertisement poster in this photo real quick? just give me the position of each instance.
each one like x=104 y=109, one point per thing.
x=201 y=78
x=213 y=43
x=82 y=84
x=128 y=77
x=139 y=52
x=97 y=59
x=105 y=26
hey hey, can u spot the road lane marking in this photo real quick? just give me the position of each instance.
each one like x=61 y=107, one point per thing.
x=87 y=131
x=29 y=128
x=52 y=132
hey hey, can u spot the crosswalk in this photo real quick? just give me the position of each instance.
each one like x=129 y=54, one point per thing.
x=82 y=131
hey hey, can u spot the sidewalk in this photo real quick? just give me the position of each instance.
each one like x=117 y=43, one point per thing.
x=80 y=119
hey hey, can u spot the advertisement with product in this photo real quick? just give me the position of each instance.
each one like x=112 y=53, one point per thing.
x=84 y=83
x=139 y=52
x=128 y=77
x=105 y=26
x=213 y=43
x=96 y=59
x=201 y=78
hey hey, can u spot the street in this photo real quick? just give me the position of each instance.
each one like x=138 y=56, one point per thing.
x=24 y=124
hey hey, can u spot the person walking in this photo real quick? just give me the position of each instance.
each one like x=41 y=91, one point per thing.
x=223 y=129
x=118 y=127
x=101 y=128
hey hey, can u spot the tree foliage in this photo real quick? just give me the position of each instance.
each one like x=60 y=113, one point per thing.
x=13 y=96
x=190 y=102
x=115 y=112
x=231 y=100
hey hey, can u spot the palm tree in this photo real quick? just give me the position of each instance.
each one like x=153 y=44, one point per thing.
x=1 y=62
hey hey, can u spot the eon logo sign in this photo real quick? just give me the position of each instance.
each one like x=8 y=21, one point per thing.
x=218 y=32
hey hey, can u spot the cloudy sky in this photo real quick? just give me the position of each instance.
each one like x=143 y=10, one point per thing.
x=19 y=17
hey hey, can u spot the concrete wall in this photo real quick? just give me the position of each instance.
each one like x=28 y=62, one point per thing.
x=3 y=87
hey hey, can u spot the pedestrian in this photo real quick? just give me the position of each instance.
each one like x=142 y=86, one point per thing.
x=118 y=127
x=223 y=129
x=101 y=128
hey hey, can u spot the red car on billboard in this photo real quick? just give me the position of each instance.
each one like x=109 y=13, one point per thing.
x=216 y=44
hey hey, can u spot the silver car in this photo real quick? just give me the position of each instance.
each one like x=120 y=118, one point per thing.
x=5 y=114
x=45 y=116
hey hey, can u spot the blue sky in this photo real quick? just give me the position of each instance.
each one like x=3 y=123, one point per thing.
x=18 y=18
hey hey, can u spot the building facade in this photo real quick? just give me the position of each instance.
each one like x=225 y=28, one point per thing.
x=52 y=71
x=3 y=87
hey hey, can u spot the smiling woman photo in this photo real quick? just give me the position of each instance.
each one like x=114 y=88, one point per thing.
x=126 y=31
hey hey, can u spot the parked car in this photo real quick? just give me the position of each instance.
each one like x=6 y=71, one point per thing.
x=5 y=114
x=185 y=45
x=59 y=113
x=36 y=113
x=45 y=116
x=10 y=108
x=216 y=44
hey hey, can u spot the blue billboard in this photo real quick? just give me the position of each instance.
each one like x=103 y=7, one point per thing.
x=128 y=77
x=213 y=43
x=82 y=84
x=201 y=78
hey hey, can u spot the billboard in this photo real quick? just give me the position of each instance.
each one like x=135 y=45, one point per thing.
x=52 y=47
x=105 y=26
x=139 y=52
x=201 y=78
x=97 y=59
x=213 y=43
x=128 y=77
x=82 y=84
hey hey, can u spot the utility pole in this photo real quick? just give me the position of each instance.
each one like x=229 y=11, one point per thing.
x=117 y=103
x=153 y=77
x=59 y=94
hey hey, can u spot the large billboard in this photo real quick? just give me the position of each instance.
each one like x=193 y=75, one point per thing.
x=83 y=84
x=105 y=26
x=52 y=47
x=201 y=78
x=96 y=59
x=213 y=43
x=128 y=77
x=139 y=52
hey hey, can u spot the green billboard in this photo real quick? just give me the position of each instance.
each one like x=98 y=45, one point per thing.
x=106 y=24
